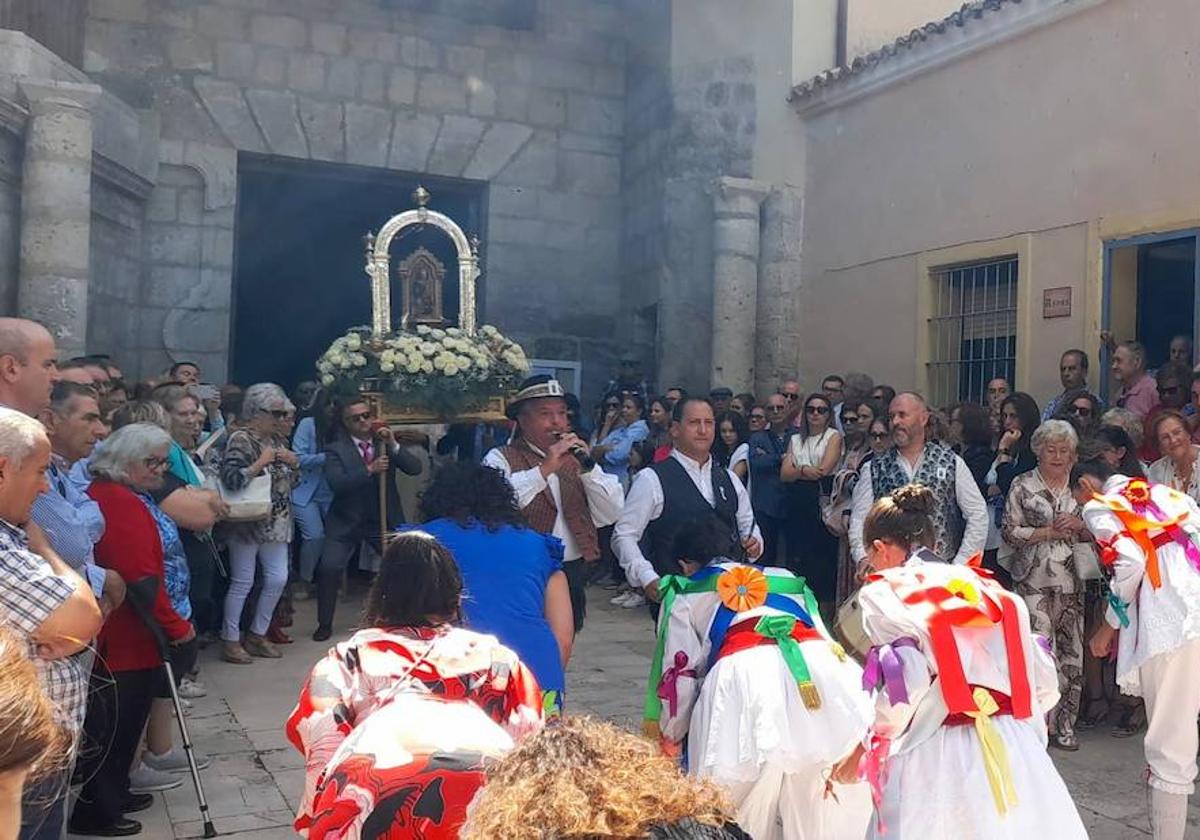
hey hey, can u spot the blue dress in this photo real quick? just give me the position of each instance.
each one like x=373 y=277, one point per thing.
x=505 y=573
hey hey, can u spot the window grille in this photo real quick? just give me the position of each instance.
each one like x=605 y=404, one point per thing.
x=973 y=330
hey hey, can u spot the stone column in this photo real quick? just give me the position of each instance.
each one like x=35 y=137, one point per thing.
x=735 y=280
x=56 y=210
x=778 y=339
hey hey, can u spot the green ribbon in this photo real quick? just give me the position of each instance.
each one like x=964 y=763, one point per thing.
x=671 y=585
x=779 y=628
x=1120 y=608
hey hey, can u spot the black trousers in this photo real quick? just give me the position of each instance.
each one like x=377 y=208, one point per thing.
x=577 y=574
x=335 y=559
x=773 y=530
x=118 y=706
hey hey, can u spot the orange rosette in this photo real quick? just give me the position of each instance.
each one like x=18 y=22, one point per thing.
x=1137 y=492
x=742 y=588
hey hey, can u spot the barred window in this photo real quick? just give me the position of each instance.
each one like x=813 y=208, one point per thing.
x=973 y=329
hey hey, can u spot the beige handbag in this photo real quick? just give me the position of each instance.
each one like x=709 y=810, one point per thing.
x=250 y=504
x=849 y=628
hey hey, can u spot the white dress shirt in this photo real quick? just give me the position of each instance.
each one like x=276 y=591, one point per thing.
x=645 y=504
x=604 y=495
x=966 y=492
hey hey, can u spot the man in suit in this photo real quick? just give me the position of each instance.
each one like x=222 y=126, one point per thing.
x=353 y=463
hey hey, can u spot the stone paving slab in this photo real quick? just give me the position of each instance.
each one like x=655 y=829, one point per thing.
x=257 y=777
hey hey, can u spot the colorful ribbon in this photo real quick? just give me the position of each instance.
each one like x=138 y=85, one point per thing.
x=779 y=628
x=1120 y=608
x=1134 y=506
x=884 y=668
x=995 y=756
x=667 y=688
x=874 y=768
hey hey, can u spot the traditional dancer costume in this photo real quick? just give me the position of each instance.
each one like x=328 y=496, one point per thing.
x=1148 y=535
x=764 y=697
x=958 y=747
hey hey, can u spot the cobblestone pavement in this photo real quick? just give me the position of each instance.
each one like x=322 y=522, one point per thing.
x=256 y=777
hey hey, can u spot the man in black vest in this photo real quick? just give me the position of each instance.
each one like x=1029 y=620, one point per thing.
x=674 y=491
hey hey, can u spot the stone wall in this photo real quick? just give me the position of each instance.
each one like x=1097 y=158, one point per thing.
x=537 y=113
x=114 y=290
x=10 y=218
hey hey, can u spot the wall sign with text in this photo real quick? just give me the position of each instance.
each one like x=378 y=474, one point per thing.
x=1056 y=303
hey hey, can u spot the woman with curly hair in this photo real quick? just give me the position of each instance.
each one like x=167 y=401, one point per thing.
x=397 y=723
x=581 y=777
x=516 y=589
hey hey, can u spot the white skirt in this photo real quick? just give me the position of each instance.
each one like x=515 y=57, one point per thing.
x=749 y=714
x=940 y=789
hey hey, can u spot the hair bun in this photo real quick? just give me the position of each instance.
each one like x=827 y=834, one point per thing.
x=915 y=498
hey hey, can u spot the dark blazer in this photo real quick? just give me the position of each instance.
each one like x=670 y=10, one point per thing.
x=354 y=514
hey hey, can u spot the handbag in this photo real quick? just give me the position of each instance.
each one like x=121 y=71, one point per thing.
x=250 y=504
x=848 y=627
x=835 y=508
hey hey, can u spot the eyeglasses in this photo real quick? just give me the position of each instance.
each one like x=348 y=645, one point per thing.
x=878 y=435
x=776 y=407
x=1081 y=410
x=816 y=409
x=358 y=418
x=279 y=414
x=849 y=418
x=791 y=397
x=153 y=463
x=612 y=405
x=1169 y=389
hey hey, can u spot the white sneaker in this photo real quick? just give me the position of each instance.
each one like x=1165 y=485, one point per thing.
x=148 y=780
x=192 y=690
x=620 y=597
x=635 y=600
x=175 y=761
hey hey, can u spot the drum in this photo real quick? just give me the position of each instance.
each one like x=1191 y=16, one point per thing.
x=848 y=628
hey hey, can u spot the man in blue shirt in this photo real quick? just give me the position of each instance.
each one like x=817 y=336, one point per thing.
x=768 y=495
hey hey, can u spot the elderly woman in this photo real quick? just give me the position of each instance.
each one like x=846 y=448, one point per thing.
x=1177 y=467
x=258 y=446
x=397 y=722
x=1042 y=523
x=124 y=472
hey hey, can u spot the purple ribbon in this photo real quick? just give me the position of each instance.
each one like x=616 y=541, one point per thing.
x=1178 y=535
x=883 y=667
x=667 y=689
x=1044 y=644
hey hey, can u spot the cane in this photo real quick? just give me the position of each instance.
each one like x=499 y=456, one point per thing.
x=141 y=594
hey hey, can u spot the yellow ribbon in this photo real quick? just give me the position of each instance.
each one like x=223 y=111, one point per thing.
x=995 y=757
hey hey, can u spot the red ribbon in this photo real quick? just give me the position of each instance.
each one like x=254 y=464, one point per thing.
x=667 y=688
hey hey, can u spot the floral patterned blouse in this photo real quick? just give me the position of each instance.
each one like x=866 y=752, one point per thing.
x=242 y=450
x=1162 y=471
x=1050 y=564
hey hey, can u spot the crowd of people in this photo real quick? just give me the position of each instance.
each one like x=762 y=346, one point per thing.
x=848 y=588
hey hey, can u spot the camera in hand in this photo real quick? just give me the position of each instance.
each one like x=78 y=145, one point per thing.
x=580 y=452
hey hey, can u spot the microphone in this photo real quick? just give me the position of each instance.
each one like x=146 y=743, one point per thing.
x=580 y=452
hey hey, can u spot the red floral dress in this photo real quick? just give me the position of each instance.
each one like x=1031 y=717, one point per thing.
x=396 y=725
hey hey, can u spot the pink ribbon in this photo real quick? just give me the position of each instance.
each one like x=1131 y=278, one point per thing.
x=667 y=688
x=1179 y=535
x=873 y=768
x=883 y=667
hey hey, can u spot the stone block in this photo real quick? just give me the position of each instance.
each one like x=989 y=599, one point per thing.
x=323 y=125
x=378 y=45
x=279 y=31
x=236 y=60
x=595 y=114
x=150 y=325
x=191 y=206
x=413 y=135
x=609 y=80
x=591 y=174
x=547 y=107
x=481 y=98
x=516 y=231
x=466 y=60
x=565 y=236
x=228 y=108
x=512 y=102
x=280 y=123
x=419 y=52
x=271 y=68
x=203 y=331
x=217 y=248
x=590 y=143
x=536 y=165
x=128 y=11
x=329 y=38
x=162 y=205
x=187 y=51
x=499 y=144
x=455 y=145
x=170 y=285
x=343 y=77
x=442 y=93
x=221 y=22
x=513 y=201
x=506 y=66
x=173 y=18
x=174 y=245
x=368 y=135
x=402 y=86
x=306 y=72
x=564 y=73
x=373 y=84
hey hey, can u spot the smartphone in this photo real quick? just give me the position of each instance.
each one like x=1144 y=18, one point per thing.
x=205 y=392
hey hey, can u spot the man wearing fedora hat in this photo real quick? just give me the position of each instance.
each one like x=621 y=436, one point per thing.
x=558 y=487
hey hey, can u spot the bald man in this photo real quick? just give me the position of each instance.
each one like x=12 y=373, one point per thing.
x=28 y=369
x=960 y=518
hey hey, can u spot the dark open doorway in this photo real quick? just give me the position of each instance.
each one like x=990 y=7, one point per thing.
x=298 y=269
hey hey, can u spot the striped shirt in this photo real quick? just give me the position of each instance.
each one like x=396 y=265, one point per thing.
x=29 y=592
x=73 y=524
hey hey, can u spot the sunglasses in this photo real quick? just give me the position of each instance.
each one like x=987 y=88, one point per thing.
x=816 y=409
x=612 y=405
x=776 y=408
x=758 y=415
x=878 y=435
x=1081 y=410
x=791 y=397
x=358 y=418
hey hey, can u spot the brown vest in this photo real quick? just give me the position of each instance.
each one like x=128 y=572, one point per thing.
x=542 y=511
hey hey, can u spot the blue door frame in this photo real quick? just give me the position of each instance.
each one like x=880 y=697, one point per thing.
x=1106 y=300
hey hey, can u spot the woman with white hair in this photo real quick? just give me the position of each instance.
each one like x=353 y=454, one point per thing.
x=258 y=446
x=1042 y=523
x=124 y=472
